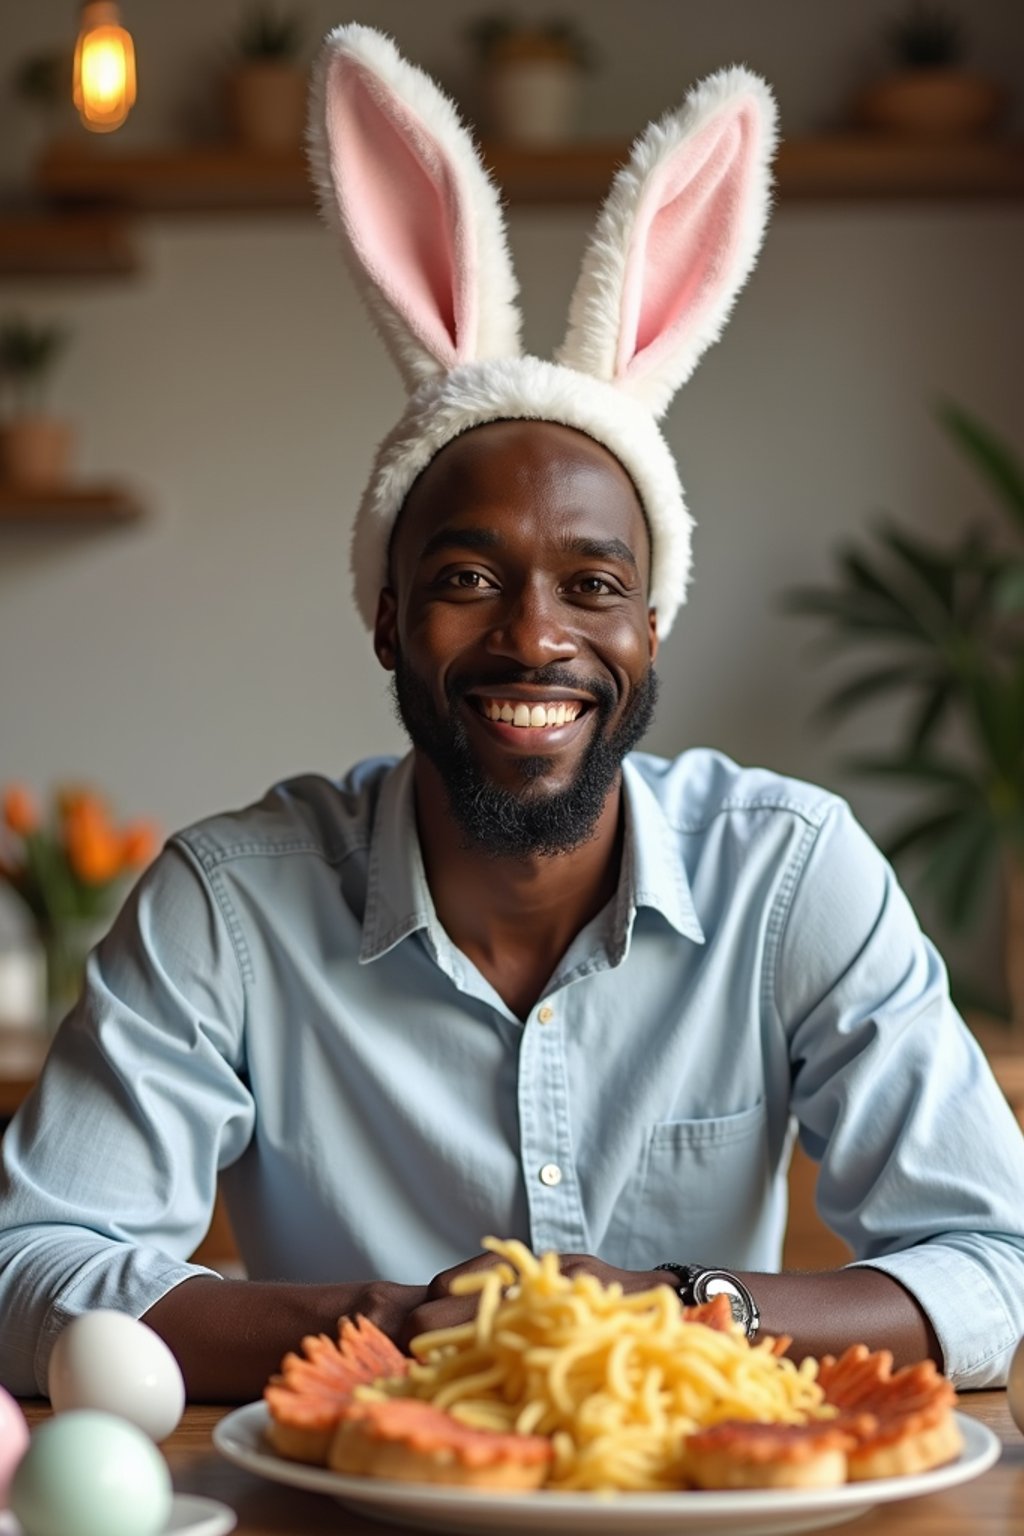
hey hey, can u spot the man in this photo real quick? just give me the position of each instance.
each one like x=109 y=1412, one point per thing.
x=526 y=981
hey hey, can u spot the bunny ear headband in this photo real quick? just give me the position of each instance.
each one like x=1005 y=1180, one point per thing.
x=400 y=178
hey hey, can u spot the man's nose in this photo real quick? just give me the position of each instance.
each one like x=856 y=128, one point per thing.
x=531 y=628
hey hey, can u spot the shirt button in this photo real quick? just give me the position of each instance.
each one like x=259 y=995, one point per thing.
x=551 y=1175
x=545 y=1014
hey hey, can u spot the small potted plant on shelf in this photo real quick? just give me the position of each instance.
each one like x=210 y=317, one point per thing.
x=267 y=83
x=930 y=92
x=531 y=74
x=41 y=82
x=35 y=446
x=70 y=868
x=943 y=626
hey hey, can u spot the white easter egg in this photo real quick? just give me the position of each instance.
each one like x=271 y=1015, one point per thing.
x=1015 y=1386
x=115 y=1364
x=13 y=1441
x=89 y=1474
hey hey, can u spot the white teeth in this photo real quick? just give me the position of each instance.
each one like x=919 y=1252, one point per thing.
x=531 y=716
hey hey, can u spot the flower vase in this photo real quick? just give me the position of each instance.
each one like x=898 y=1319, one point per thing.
x=66 y=947
x=1013 y=942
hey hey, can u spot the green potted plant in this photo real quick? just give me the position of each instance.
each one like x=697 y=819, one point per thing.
x=929 y=91
x=35 y=446
x=943 y=624
x=531 y=74
x=267 y=81
x=41 y=83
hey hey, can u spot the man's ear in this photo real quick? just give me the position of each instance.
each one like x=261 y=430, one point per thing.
x=385 y=641
x=652 y=632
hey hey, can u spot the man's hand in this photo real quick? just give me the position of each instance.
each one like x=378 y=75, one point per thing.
x=631 y=1280
x=439 y=1308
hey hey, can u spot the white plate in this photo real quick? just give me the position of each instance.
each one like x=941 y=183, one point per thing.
x=190 y=1516
x=757 y=1512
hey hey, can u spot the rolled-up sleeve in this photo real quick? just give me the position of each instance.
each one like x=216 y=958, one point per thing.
x=108 y=1172
x=922 y=1160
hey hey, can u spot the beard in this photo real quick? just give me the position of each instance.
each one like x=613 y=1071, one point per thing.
x=524 y=822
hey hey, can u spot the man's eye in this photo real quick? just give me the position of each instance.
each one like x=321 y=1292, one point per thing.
x=592 y=586
x=467 y=581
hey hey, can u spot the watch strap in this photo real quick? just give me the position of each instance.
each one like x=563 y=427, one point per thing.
x=686 y=1275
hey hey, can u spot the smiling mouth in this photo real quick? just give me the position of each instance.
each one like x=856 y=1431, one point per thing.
x=534 y=717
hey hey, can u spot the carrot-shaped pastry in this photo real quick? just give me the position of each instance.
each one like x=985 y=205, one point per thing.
x=310 y=1392
x=901 y=1422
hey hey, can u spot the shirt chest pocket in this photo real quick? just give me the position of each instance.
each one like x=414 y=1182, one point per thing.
x=699 y=1189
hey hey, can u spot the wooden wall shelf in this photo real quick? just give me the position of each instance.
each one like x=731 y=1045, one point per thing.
x=211 y=179
x=844 y=168
x=60 y=245
x=85 y=507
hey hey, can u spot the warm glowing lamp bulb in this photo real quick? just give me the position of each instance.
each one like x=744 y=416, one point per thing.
x=104 y=78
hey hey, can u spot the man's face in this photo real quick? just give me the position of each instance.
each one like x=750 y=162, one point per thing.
x=517 y=626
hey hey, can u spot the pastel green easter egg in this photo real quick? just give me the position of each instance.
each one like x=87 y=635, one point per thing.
x=91 y=1474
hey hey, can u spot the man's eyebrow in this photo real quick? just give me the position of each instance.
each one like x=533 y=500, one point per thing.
x=602 y=549
x=482 y=539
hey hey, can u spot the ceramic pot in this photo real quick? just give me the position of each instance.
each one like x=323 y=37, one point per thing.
x=533 y=101
x=267 y=106
x=932 y=103
x=35 y=452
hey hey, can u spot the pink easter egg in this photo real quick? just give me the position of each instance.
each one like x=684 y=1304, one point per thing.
x=13 y=1441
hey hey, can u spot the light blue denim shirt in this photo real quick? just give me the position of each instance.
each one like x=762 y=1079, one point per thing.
x=279 y=1004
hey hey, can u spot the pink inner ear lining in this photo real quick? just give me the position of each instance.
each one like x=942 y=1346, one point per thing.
x=400 y=202
x=685 y=238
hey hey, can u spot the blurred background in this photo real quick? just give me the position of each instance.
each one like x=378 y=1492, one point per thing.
x=176 y=627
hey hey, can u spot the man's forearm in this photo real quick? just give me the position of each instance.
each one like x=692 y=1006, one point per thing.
x=824 y=1312
x=230 y=1335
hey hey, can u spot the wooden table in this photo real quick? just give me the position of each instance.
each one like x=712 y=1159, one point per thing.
x=992 y=1505
x=21 y=1055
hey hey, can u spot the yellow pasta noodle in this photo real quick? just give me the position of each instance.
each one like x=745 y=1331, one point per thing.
x=617 y=1381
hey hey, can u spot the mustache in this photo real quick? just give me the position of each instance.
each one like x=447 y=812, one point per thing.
x=553 y=676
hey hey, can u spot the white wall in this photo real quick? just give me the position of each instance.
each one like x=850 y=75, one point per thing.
x=186 y=663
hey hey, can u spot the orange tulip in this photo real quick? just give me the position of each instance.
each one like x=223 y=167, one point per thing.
x=83 y=805
x=139 y=843
x=94 y=850
x=21 y=813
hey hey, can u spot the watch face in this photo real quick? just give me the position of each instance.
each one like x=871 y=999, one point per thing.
x=715 y=1282
x=713 y=1285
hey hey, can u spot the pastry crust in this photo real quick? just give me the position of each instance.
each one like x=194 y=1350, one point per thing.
x=412 y=1441
x=913 y=1451
x=738 y=1454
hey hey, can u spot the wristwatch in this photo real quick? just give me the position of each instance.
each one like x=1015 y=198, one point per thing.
x=697 y=1284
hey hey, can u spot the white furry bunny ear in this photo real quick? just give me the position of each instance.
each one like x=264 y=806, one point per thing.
x=675 y=241
x=399 y=175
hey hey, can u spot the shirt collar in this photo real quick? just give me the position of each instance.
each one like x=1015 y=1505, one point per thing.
x=653 y=873
x=398 y=900
x=397 y=895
